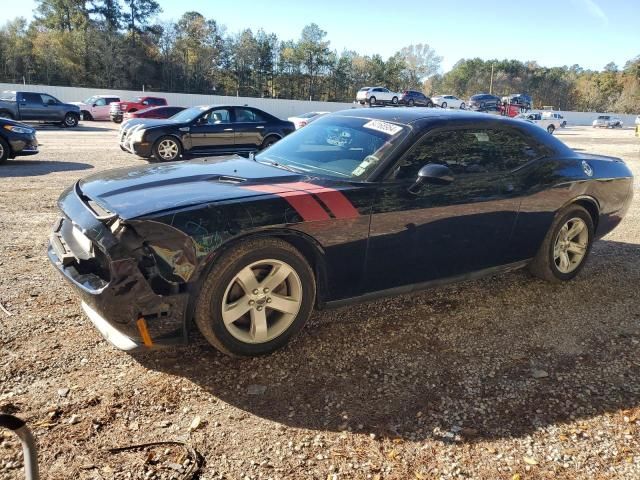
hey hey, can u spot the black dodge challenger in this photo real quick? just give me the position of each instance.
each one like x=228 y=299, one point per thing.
x=205 y=130
x=358 y=204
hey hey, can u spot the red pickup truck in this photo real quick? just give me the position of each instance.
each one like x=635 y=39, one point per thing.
x=118 y=109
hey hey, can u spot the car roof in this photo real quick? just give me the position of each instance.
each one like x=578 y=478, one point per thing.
x=407 y=115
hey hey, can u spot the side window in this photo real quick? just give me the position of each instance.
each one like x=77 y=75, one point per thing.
x=111 y=100
x=146 y=102
x=100 y=102
x=32 y=98
x=48 y=99
x=245 y=115
x=218 y=116
x=468 y=152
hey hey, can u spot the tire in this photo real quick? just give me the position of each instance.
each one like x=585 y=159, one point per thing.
x=563 y=124
x=394 y=100
x=545 y=264
x=411 y=102
x=463 y=106
x=4 y=151
x=6 y=115
x=372 y=101
x=270 y=140
x=70 y=120
x=117 y=119
x=444 y=105
x=86 y=116
x=239 y=336
x=430 y=105
x=551 y=129
x=167 y=149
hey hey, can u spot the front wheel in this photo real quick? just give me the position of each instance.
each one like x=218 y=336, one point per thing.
x=167 y=149
x=411 y=102
x=444 y=105
x=551 y=129
x=4 y=150
x=372 y=101
x=394 y=100
x=430 y=105
x=566 y=246
x=255 y=298
x=268 y=142
x=462 y=106
x=70 y=120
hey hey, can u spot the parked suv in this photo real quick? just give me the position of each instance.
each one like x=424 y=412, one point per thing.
x=483 y=102
x=96 y=107
x=413 y=97
x=377 y=95
x=41 y=107
x=519 y=99
x=118 y=109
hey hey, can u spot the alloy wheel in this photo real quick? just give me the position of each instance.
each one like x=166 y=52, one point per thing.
x=570 y=246
x=168 y=149
x=1 y=151
x=262 y=301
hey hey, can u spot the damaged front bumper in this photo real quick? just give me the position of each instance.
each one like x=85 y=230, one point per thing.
x=115 y=293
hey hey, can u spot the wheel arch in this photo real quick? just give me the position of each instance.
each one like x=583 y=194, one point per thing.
x=308 y=247
x=590 y=204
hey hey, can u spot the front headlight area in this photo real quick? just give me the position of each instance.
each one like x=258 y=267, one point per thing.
x=17 y=129
x=138 y=135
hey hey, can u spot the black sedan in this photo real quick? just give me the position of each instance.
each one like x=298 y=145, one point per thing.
x=483 y=102
x=16 y=139
x=206 y=130
x=359 y=204
x=413 y=98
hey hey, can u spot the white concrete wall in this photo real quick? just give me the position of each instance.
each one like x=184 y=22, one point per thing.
x=279 y=108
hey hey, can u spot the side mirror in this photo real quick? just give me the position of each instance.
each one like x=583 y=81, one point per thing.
x=434 y=174
x=94 y=105
x=51 y=102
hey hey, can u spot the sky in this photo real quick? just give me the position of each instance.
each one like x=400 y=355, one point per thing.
x=590 y=33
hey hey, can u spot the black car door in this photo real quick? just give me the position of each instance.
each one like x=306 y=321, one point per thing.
x=439 y=231
x=212 y=132
x=249 y=128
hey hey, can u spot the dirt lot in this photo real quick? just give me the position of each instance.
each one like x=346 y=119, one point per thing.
x=503 y=378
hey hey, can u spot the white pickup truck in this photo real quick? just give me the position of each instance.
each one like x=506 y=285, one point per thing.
x=549 y=122
x=377 y=95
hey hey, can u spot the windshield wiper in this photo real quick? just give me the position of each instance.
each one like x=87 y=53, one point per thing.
x=279 y=165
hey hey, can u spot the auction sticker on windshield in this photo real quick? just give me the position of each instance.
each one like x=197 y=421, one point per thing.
x=384 y=127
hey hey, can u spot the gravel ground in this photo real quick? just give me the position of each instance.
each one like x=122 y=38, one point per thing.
x=502 y=378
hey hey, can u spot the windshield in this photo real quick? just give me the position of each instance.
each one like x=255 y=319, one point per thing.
x=189 y=114
x=336 y=146
x=90 y=100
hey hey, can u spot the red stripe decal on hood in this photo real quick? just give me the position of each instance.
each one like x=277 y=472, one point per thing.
x=302 y=202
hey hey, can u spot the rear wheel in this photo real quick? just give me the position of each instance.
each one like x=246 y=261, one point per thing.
x=372 y=101
x=430 y=104
x=167 y=149
x=462 y=106
x=444 y=105
x=394 y=100
x=411 y=102
x=551 y=129
x=86 y=116
x=268 y=142
x=566 y=246
x=4 y=150
x=256 y=297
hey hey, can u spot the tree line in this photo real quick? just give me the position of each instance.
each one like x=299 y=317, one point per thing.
x=117 y=44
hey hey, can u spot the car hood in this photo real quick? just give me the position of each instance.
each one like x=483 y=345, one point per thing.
x=140 y=191
x=79 y=104
x=7 y=121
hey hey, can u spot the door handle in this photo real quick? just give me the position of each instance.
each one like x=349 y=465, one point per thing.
x=228 y=129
